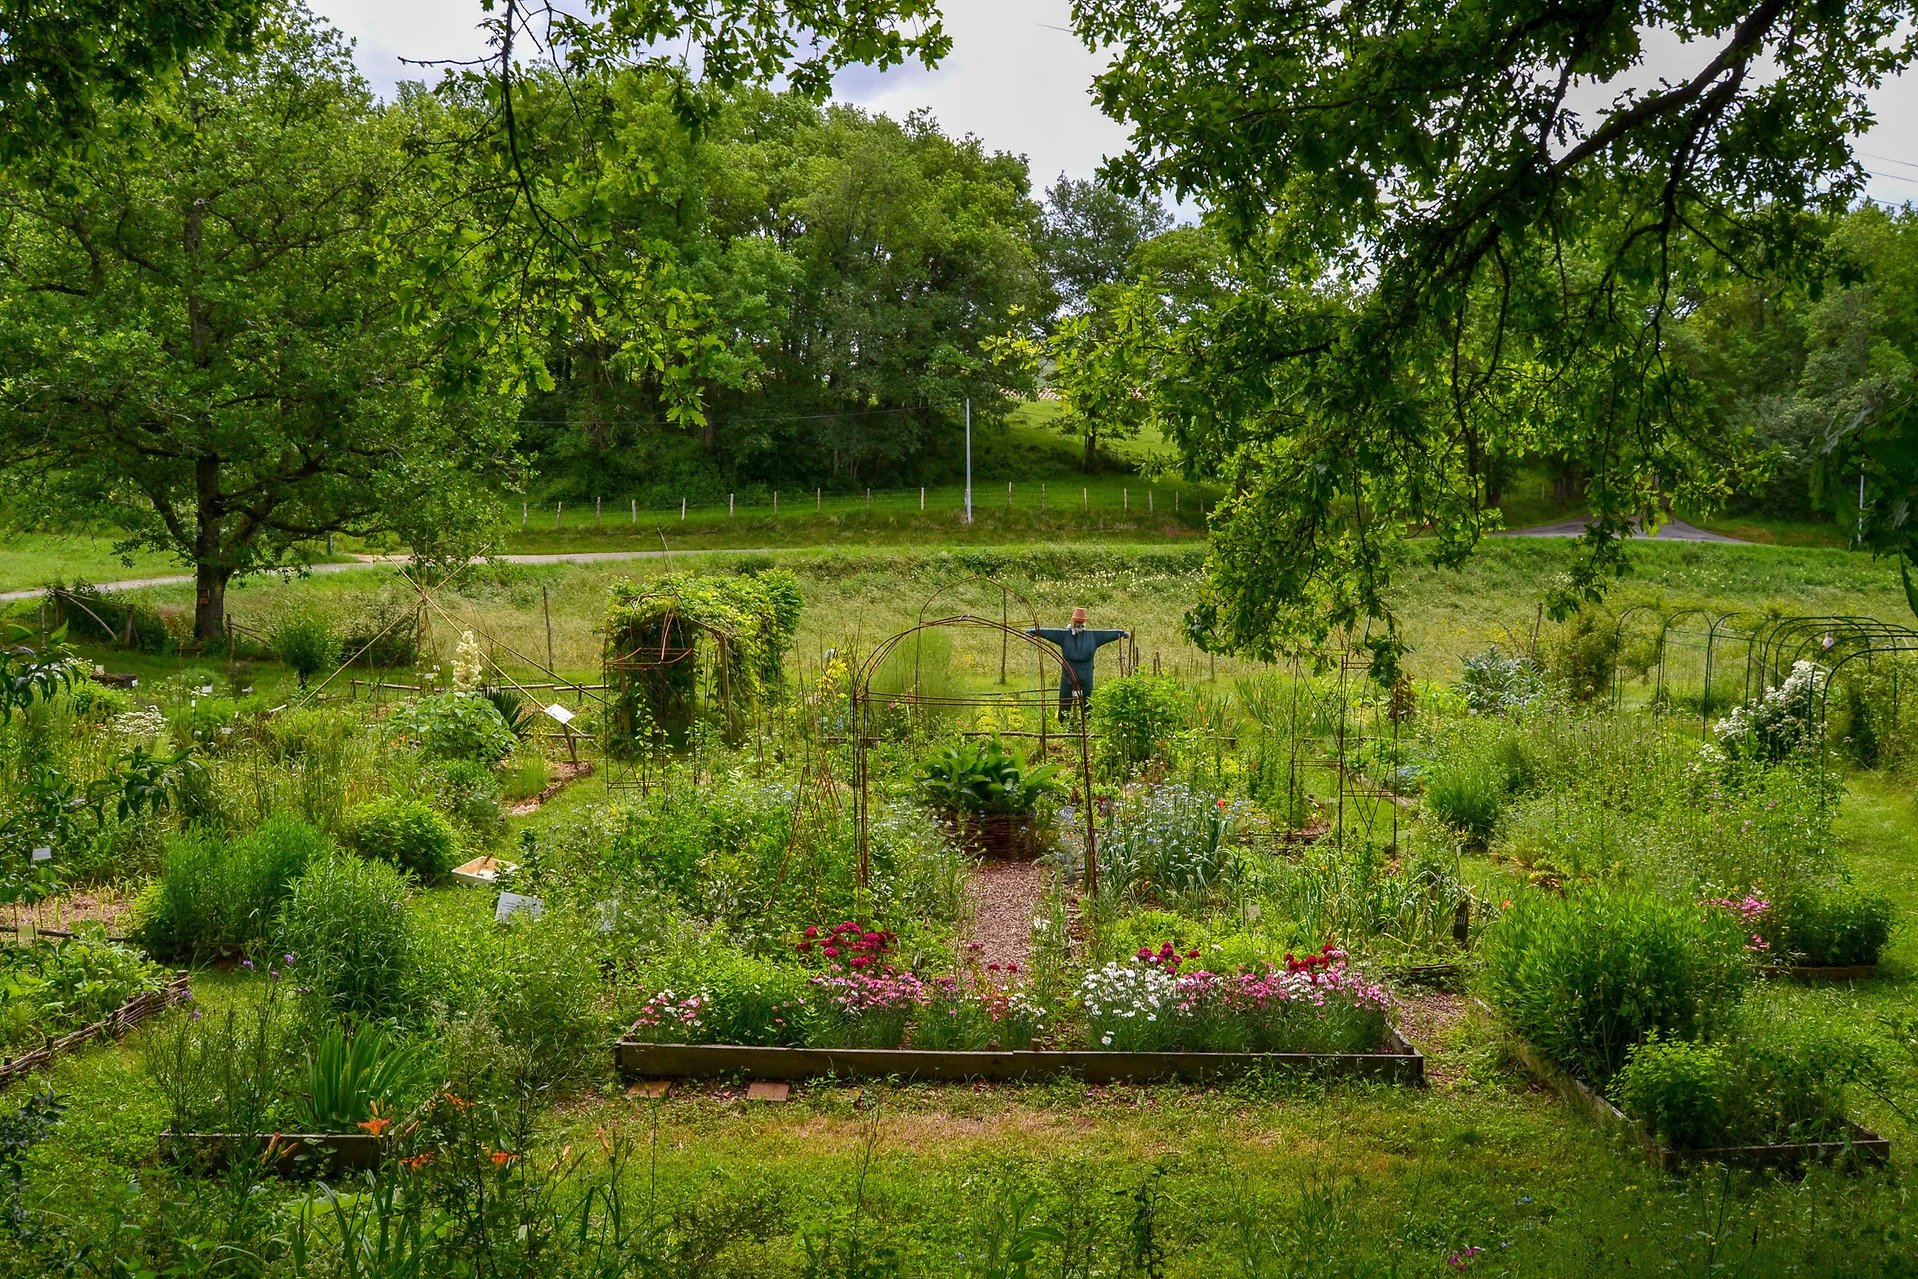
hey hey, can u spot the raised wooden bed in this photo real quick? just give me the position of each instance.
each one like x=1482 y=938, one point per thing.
x=1396 y=1062
x=482 y=872
x=115 y=1024
x=1821 y=972
x=289 y=1154
x=1862 y=1147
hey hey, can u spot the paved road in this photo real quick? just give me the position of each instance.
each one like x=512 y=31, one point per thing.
x=374 y=561
x=1672 y=531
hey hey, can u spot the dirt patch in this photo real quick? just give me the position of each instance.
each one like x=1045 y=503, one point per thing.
x=1004 y=897
x=1427 y=1018
x=563 y=774
x=62 y=914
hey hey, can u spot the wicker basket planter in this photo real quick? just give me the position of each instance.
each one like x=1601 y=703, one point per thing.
x=113 y=1026
x=1396 y=1062
x=1859 y=1149
x=999 y=837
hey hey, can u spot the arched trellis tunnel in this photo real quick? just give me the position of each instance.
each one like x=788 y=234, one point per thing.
x=1041 y=701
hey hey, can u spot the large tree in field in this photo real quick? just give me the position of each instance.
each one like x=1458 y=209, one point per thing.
x=1469 y=231
x=212 y=332
x=62 y=63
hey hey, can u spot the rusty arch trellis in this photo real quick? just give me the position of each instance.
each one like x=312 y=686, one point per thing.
x=1042 y=701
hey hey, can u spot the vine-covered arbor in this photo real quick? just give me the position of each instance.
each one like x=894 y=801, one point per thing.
x=684 y=650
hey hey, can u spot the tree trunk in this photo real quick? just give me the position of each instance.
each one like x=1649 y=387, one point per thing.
x=210 y=572
x=209 y=602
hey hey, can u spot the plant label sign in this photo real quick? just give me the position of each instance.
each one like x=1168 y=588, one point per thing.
x=511 y=904
x=43 y=854
x=559 y=713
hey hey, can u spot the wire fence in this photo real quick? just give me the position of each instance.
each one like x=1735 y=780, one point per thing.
x=1101 y=496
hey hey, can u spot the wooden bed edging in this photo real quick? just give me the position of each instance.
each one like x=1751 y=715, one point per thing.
x=1397 y=1063
x=288 y=1154
x=115 y=1024
x=1862 y=1147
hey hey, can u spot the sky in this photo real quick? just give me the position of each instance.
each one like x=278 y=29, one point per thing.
x=1016 y=77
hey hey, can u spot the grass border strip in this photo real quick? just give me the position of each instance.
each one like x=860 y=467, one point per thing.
x=115 y=1024
x=1398 y=1063
x=1812 y=973
x=1863 y=1147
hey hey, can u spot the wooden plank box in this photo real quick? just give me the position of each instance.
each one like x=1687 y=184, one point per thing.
x=1861 y=1148
x=290 y=1155
x=1396 y=1062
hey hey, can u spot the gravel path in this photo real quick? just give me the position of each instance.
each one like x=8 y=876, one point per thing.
x=1670 y=531
x=374 y=561
x=1004 y=897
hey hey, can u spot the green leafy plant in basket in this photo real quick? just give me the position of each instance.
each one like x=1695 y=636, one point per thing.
x=982 y=777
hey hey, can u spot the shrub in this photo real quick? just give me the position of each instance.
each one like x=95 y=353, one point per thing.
x=1681 y=1091
x=345 y=923
x=1844 y=924
x=457 y=726
x=1778 y=1083
x=305 y=642
x=218 y=894
x=1133 y=719
x=469 y=793
x=406 y=832
x=94 y=703
x=1586 y=976
x=1779 y=723
x=1497 y=683
x=1467 y=785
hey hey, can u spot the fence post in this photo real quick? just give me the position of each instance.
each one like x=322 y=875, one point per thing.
x=1125 y=499
x=558 y=509
x=522 y=515
x=596 y=512
x=775 y=501
x=869 y=501
x=729 y=506
x=682 y=508
x=922 y=497
x=635 y=502
x=818 y=503
x=1175 y=501
x=1008 y=495
x=1085 y=499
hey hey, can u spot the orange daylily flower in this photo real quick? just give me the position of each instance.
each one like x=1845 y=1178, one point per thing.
x=501 y=1158
x=377 y=1125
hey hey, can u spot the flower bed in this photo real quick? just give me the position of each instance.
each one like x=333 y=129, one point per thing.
x=1861 y=1147
x=115 y=1024
x=1152 y=1017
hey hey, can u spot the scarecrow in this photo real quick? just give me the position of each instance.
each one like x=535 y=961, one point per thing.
x=1077 y=646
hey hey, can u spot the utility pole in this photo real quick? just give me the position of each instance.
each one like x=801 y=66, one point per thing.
x=968 y=459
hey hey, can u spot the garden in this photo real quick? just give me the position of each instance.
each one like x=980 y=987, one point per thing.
x=489 y=943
